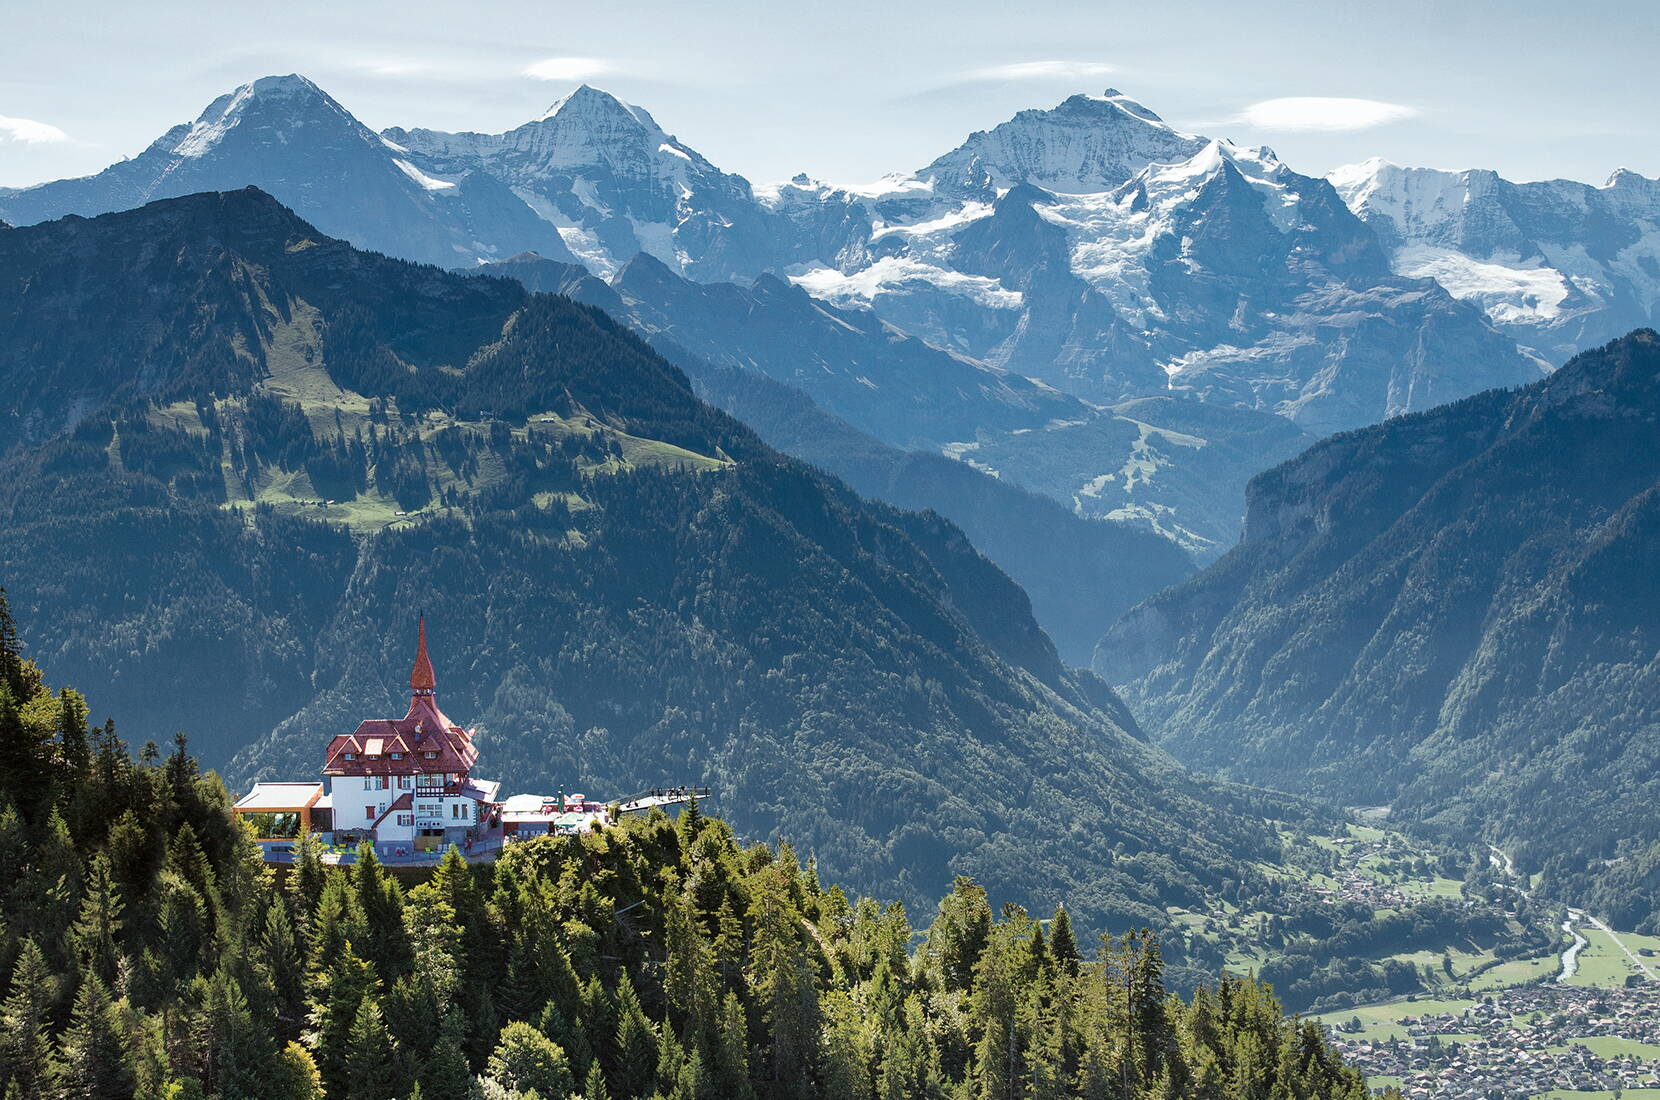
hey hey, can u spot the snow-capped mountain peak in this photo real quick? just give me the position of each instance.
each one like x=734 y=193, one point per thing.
x=1083 y=145
x=588 y=102
x=270 y=99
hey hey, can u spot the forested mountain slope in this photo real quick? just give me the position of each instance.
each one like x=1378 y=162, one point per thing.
x=760 y=354
x=147 y=954
x=1453 y=613
x=278 y=455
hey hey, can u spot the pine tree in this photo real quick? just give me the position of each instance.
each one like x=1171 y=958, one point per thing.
x=283 y=964
x=93 y=1051
x=293 y=1076
x=784 y=987
x=370 y=1065
x=960 y=933
x=729 y=1068
x=444 y=1071
x=593 y=1085
x=1063 y=946
x=382 y=941
x=237 y=1051
x=26 y=1056
x=992 y=1011
x=343 y=989
x=688 y=977
x=636 y=1044
x=528 y=1061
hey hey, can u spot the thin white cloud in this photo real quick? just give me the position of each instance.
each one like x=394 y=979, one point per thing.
x=396 y=68
x=571 y=68
x=1041 y=70
x=1324 y=113
x=30 y=132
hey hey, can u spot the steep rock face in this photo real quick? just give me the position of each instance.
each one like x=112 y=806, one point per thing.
x=1445 y=613
x=287 y=136
x=1558 y=265
x=635 y=589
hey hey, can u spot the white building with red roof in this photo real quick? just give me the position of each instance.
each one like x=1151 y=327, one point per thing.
x=406 y=784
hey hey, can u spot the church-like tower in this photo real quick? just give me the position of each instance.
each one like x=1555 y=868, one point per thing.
x=407 y=783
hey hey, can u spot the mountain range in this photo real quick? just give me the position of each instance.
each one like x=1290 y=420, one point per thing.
x=1451 y=614
x=258 y=452
x=1195 y=311
x=1560 y=266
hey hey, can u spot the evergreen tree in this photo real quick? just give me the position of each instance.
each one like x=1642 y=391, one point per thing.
x=525 y=1060
x=1062 y=944
x=444 y=1070
x=92 y=1062
x=27 y=1065
x=637 y=1051
x=371 y=1063
x=593 y=1085
x=293 y=1076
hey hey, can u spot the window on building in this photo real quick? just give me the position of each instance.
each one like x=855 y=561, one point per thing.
x=427 y=755
x=351 y=756
x=406 y=819
x=397 y=756
x=460 y=811
x=403 y=782
x=368 y=813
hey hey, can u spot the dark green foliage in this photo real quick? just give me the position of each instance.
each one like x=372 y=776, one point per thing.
x=735 y=974
x=1451 y=613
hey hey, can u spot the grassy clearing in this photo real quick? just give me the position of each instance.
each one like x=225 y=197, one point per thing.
x=1602 y=962
x=1515 y=972
x=1384 y=1021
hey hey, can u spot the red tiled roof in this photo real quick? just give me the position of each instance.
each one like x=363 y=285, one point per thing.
x=402 y=802
x=424 y=729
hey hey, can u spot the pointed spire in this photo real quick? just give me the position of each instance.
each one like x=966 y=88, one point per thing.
x=421 y=678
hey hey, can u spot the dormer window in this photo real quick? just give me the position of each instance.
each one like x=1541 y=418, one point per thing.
x=430 y=755
x=351 y=756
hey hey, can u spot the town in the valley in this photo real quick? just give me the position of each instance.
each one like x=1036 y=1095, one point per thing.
x=407 y=787
x=1545 y=1039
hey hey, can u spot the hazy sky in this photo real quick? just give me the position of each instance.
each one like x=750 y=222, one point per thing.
x=848 y=91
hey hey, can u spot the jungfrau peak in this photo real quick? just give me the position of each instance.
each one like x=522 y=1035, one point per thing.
x=1086 y=144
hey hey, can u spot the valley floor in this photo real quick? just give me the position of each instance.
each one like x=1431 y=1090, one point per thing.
x=1581 y=1020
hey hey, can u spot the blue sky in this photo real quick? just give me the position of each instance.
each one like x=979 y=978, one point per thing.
x=849 y=91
